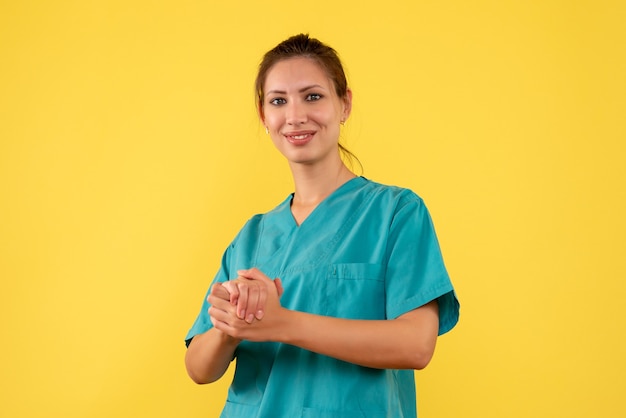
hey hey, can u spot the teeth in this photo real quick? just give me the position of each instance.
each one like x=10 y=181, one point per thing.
x=299 y=136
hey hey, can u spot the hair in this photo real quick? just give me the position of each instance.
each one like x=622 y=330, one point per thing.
x=303 y=46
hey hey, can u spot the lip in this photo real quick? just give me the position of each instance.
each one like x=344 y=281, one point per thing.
x=299 y=137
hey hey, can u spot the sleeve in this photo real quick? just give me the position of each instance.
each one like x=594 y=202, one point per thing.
x=203 y=322
x=416 y=273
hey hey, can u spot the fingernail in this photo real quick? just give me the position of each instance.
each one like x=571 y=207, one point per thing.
x=241 y=314
x=250 y=319
x=259 y=314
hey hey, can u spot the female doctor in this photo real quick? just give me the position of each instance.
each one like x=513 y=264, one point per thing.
x=330 y=301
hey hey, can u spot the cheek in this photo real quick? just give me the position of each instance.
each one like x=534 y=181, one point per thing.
x=274 y=133
x=329 y=116
x=272 y=120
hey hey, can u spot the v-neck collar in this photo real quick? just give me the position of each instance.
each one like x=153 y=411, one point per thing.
x=338 y=192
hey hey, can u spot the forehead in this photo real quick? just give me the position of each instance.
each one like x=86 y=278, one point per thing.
x=295 y=73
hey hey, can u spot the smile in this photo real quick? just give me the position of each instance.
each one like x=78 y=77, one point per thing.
x=299 y=138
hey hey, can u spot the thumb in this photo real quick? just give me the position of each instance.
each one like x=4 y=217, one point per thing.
x=254 y=274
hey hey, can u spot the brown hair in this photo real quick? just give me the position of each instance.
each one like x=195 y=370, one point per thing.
x=303 y=46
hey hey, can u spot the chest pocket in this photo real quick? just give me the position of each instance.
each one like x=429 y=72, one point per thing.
x=355 y=291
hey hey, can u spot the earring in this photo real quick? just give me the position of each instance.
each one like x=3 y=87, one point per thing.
x=342 y=123
x=267 y=131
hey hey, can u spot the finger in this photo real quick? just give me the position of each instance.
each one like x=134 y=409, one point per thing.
x=220 y=321
x=254 y=274
x=220 y=291
x=221 y=304
x=242 y=303
x=279 y=286
x=233 y=291
x=254 y=292
x=224 y=312
x=248 y=311
x=218 y=314
x=260 y=306
x=220 y=326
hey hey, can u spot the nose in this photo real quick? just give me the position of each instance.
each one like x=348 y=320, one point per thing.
x=296 y=113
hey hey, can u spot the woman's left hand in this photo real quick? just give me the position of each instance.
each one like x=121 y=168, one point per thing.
x=249 y=292
x=253 y=295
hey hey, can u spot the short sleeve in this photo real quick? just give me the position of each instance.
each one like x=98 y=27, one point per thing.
x=203 y=322
x=416 y=273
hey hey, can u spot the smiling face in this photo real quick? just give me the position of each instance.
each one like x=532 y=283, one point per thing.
x=302 y=111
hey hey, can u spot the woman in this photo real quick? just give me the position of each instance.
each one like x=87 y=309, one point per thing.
x=360 y=291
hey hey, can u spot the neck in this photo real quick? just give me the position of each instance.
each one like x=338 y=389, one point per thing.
x=313 y=183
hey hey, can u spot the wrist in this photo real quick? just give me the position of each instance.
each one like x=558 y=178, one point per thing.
x=227 y=340
x=287 y=328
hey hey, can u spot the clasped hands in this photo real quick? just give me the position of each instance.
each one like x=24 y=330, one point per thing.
x=239 y=305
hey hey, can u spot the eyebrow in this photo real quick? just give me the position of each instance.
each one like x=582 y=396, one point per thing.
x=302 y=90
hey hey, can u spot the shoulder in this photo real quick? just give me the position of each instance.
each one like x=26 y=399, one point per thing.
x=280 y=210
x=400 y=196
x=276 y=215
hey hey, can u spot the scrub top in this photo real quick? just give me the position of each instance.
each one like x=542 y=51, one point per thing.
x=368 y=251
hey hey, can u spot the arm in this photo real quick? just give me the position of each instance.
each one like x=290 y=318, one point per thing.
x=209 y=355
x=407 y=342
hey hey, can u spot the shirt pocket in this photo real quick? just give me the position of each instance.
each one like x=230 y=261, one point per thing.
x=355 y=291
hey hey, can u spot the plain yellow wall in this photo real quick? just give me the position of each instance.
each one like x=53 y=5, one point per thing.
x=130 y=155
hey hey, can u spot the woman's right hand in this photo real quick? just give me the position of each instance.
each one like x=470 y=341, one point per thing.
x=249 y=295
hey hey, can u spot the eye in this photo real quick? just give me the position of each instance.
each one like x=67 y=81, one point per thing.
x=277 y=101
x=313 y=97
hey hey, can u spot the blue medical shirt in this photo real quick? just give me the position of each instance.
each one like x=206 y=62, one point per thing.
x=368 y=251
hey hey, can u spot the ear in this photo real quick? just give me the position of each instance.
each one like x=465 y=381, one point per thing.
x=347 y=105
x=259 y=109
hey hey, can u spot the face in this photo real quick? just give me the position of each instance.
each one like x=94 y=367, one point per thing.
x=303 y=112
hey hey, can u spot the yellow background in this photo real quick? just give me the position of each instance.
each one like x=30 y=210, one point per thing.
x=130 y=155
